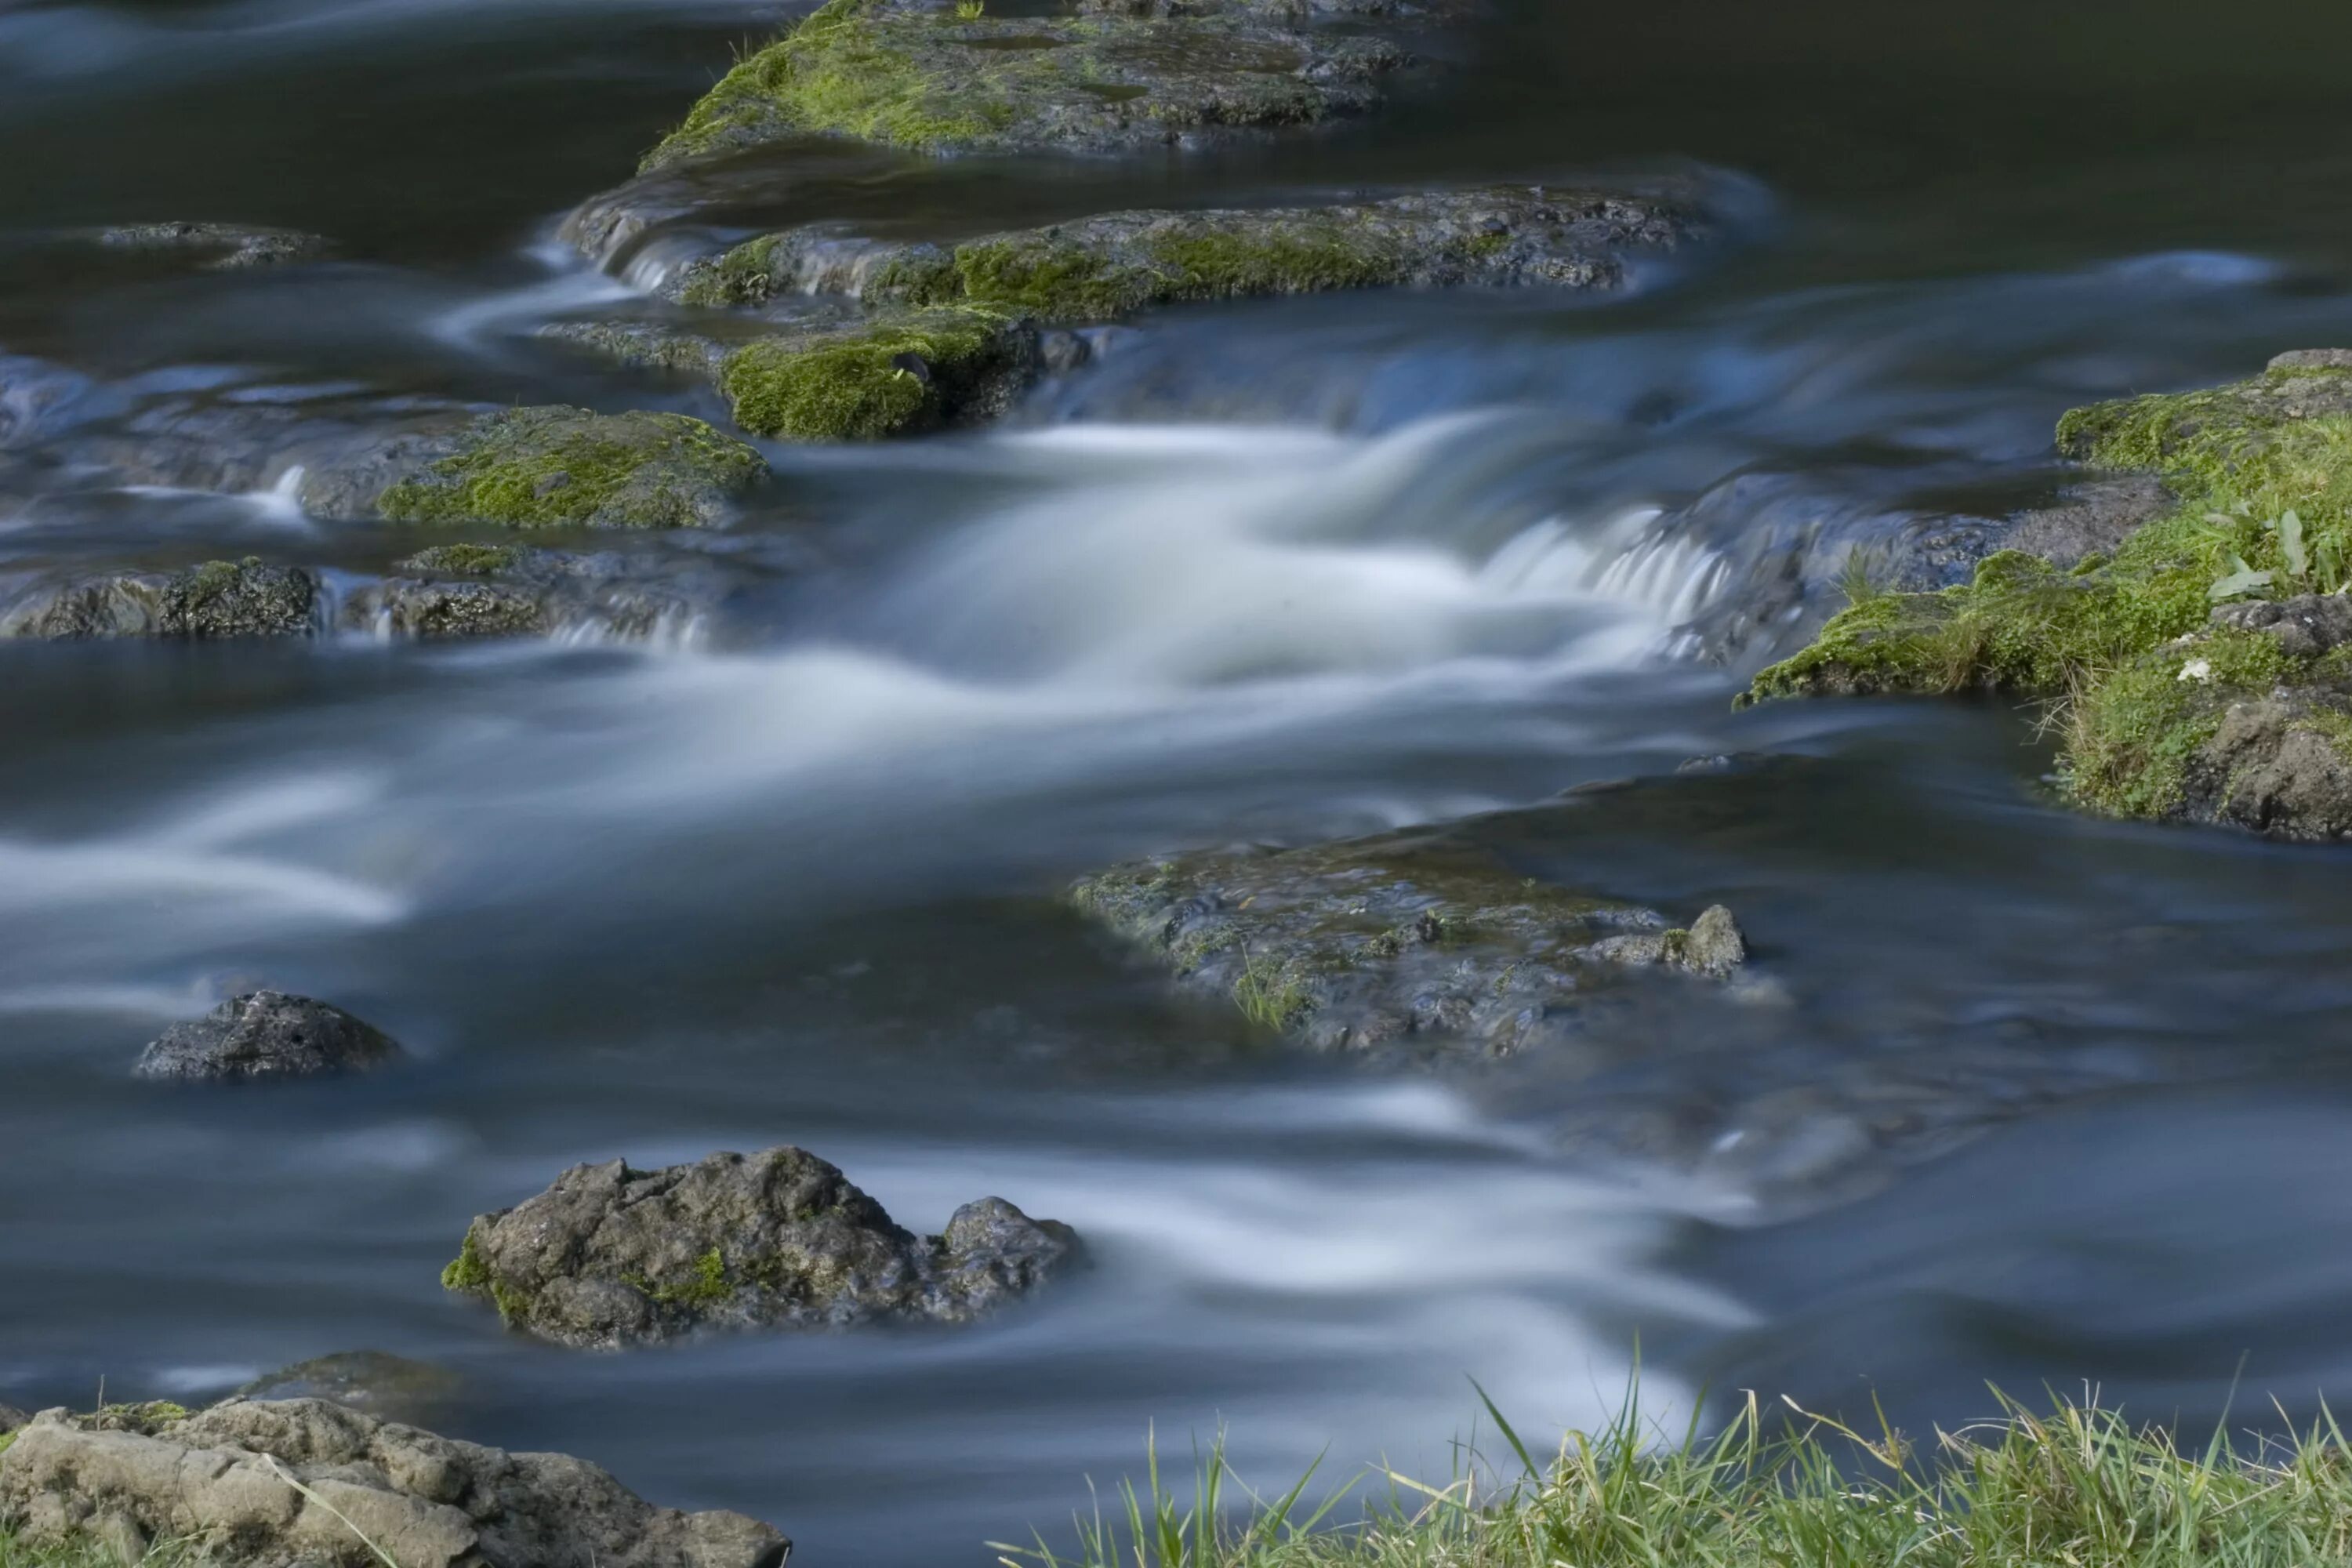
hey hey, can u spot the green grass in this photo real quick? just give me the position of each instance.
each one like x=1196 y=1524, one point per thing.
x=2076 y=1485
x=87 y=1553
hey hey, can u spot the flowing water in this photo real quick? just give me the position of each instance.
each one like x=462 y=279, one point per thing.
x=2041 y=1100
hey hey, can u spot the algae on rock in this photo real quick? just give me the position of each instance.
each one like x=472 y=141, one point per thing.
x=610 y=1256
x=1105 y=268
x=905 y=73
x=1366 y=944
x=2172 y=705
x=549 y=468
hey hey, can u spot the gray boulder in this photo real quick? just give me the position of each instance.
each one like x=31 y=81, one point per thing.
x=275 y=1485
x=610 y=1256
x=219 y=599
x=266 y=1034
x=1412 y=937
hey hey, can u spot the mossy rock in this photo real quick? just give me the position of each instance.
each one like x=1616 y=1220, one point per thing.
x=1109 y=267
x=911 y=74
x=900 y=374
x=611 y=1256
x=1418 y=937
x=2171 y=707
x=567 y=467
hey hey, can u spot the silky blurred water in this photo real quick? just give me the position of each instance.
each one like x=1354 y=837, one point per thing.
x=2042 y=1099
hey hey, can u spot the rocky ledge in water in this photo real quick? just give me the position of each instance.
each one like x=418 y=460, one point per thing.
x=277 y=1484
x=1106 y=267
x=2204 y=665
x=267 y=1035
x=936 y=77
x=368 y=1382
x=844 y=378
x=1367 y=945
x=220 y=245
x=610 y=1256
x=447 y=591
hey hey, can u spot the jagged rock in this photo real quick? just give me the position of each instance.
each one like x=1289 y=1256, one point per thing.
x=217 y=599
x=610 y=1256
x=1105 y=268
x=367 y=1380
x=900 y=73
x=266 y=1034
x=304 y=1482
x=1367 y=945
x=11 y=1418
x=223 y=245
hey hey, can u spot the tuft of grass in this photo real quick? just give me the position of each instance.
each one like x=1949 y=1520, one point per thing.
x=2076 y=1484
x=1269 y=995
x=84 y=1552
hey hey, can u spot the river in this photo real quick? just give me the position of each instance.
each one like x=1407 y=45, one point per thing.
x=1275 y=571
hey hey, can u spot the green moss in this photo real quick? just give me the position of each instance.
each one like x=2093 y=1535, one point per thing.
x=466 y=560
x=705 y=1286
x=845 y=71
x=2096 y=638
x=743 y=276
x=470 y=1271
x=549 y=468
x=884 y=380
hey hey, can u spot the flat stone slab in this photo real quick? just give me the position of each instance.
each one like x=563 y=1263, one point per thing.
x=1107 y=267
x=610 y=1256
x=1378 y=941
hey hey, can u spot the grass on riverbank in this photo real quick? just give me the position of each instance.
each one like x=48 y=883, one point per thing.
x=2075 y=1486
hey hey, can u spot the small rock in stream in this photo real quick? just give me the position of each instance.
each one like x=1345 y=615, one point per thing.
x=266 y=1034
x=610 y=1256
x=225 y=246
x=367 y=1381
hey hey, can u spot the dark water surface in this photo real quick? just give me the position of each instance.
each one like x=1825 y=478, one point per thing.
x=2042 y=1099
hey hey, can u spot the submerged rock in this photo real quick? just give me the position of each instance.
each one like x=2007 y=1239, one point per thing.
x=1367 y=945
x=216 y=600
x=223 y=246
x=904 y=73
x=548 y=467
x=610 y=1256
x=277 y=1484
x=1102 y=269
x=267 y=1035
x=367 y=1380
x=2172 y=707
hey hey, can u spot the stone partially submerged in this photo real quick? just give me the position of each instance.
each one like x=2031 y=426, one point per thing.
x=2201 y=665
x=567 y=467
x=1405 y=937
x=841 y=378
x=304 y=1482
x=611 y=1256
x=267 y=1035
x=932 y=79
x=1107 y=267
x=219 y=599
x=224 y=247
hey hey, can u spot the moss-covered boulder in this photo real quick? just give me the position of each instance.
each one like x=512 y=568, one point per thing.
x=844 y=378
x=610 y=1256
x=567 y=467
x=1418 y=937
x=2199 y=668
x=216 y=600
x=1105 y=268
x=925 y=77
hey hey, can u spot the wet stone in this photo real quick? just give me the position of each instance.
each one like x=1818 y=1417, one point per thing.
x=611 y=1256
x=220 y=599
x=367 y=1380
x=266 y=1034
x=221 y=245
x=1405 y=937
